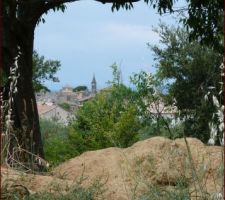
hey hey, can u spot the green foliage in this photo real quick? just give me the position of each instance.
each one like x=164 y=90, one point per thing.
x=188 y=68
x=206 y=21
x=117 y=76
x=145 y=85
x=170 y=131
x=110 y=119
x=60 y=7
x=43 y=70
x=151 y=100
x=77 y=193
x=179 y=192
x=57 y=146
x=162 y=6
x=80 y=88
x=118 y=5
x=65 y=106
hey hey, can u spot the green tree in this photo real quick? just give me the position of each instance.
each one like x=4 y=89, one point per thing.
x=189 y=69
x=145 y=84
x=110 y=119
x=80 y=88
x=56 y=142
x=19 y=21
x=117 y=76
x=43 y=70
x=205 y=22
x=65 y=106
x=150 y=100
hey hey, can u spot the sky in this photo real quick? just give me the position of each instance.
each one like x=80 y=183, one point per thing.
x=88 y=38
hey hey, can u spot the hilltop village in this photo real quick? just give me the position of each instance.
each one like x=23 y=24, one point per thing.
x=60 y=105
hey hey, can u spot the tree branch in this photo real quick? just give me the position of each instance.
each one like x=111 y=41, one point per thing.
x=49 y=4
x=117 y=1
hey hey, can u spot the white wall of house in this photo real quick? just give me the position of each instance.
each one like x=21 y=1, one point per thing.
x=58 y=114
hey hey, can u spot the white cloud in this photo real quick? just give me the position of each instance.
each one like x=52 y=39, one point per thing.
x=131 y=33
x=113 y=36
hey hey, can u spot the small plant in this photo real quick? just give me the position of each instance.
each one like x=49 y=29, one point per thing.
x=179 y=192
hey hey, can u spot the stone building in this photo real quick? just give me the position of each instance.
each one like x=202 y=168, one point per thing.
x=49 y=102
x=53 y=112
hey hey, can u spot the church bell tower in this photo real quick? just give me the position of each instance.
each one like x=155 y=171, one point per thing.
x=93 y=85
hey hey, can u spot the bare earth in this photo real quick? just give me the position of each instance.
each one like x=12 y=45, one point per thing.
x=125 y=173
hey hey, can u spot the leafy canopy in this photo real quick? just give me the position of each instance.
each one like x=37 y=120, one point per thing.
x=44 y=70
x=80 y=88
x=189 y=69
x=110 y=119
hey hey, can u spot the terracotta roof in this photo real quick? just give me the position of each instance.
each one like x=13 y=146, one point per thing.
x=43 y=108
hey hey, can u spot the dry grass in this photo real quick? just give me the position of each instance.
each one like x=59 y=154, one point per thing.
x=157 y=168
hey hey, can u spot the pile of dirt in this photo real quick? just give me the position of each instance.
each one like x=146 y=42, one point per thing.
x=126 y=173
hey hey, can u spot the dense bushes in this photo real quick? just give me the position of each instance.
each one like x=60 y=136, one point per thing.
x=110 y=119
x=65 y=106
x=57 y=147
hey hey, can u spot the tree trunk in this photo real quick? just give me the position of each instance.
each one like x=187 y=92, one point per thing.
x=25 y=142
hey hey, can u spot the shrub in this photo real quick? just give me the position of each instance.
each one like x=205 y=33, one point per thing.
x=57 y=147
x=110 y=119
x=65 y=106
x=164 y=128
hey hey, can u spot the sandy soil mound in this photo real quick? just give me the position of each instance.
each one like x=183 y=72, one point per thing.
x=126 y=173
x=24 y=183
